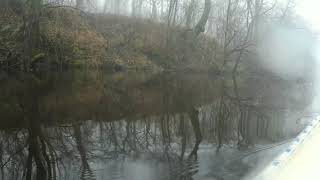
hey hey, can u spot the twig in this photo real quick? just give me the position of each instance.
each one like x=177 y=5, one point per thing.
x=9 y=159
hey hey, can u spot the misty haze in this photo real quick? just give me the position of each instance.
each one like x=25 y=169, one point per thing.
x=159 y=90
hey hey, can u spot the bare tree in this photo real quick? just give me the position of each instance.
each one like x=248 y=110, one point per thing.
x=31 y=31
x=200 y=27
x=80 y=4
x=136 y=7
x=154 y=12
x=190 y=12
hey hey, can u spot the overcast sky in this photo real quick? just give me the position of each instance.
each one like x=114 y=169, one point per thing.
x=310 y=11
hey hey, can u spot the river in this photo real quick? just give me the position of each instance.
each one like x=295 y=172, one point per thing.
x=86 y=124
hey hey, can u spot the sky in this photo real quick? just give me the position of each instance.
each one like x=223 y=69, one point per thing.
x=309 y=10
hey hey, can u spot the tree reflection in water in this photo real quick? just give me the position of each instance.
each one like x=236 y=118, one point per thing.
x=87 y=125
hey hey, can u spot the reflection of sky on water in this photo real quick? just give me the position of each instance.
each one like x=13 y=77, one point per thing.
x=229 y=164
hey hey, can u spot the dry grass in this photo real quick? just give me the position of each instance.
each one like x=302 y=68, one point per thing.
x=69 y=33
x=70 y=37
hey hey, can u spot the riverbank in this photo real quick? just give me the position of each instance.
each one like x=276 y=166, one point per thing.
x=73 y=38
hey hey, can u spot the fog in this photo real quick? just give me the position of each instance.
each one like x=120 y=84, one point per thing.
x=288 y=52
x=154 y=89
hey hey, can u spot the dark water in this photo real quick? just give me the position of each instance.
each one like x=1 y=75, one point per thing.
x=141 y=126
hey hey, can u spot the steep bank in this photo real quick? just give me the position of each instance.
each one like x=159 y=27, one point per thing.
x=70 y=37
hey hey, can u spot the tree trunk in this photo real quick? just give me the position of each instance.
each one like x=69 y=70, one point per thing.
x=31 y=31
x=257 y=18
x=172 y=12
x=189 y=13
x=105 y=7
x=80 y=4
x=136 y=7
x=200 y=27
x=116 y=8
x=154 y=9
x=194 y=118
x=133 y=8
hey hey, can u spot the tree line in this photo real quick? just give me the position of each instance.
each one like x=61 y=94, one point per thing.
x=236 y=25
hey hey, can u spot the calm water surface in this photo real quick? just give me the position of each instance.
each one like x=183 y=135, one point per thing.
x=141 y=126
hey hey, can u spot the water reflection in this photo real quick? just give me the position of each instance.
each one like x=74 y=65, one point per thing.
x=94 y=125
